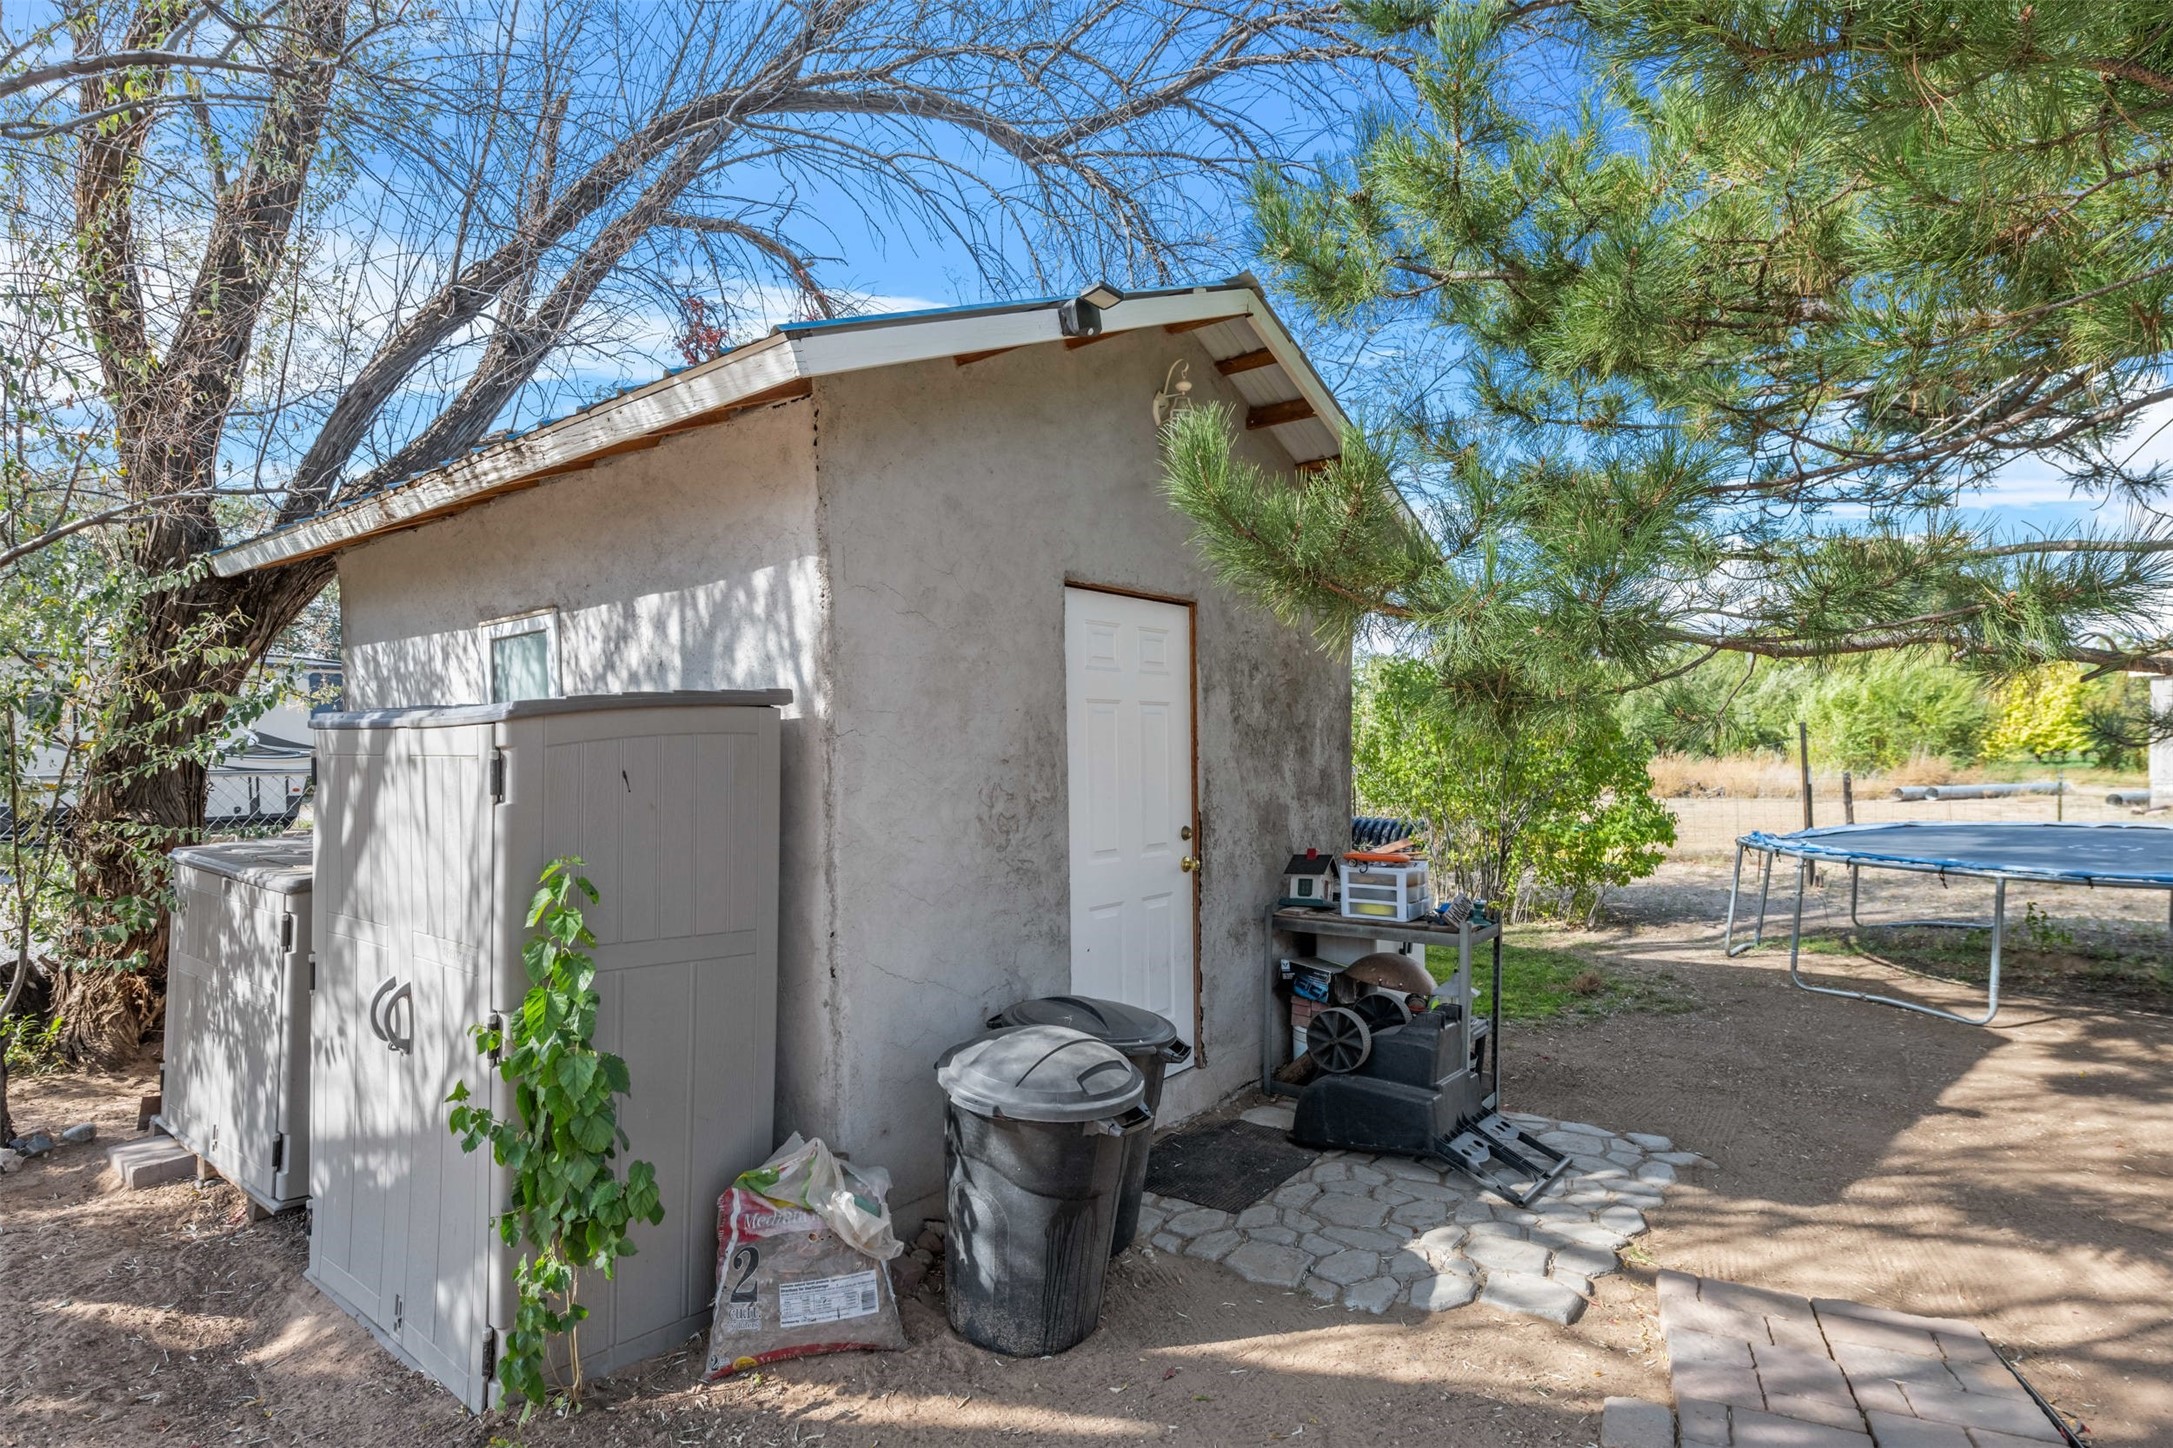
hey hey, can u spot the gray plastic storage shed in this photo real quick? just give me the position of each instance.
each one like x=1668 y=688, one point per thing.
x=236 y=1088
x=432 y=828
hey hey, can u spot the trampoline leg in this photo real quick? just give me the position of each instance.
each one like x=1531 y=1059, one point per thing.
x=1991 y=1005
x=1856 y=875
x=1735 y=887
x=1765 y=883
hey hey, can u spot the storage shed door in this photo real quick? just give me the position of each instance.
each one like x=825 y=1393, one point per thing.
x=1128 y=668
x=407 y=875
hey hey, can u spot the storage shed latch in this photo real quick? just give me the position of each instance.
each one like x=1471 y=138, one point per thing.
x=286 y=932
x=496 y=1021
x=498 y=776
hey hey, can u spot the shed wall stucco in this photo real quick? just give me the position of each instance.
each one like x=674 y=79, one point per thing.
x=895 y=551
x=956 y=503
x=694 y=565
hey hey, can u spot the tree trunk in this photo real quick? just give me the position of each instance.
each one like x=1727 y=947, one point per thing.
x=142 y=796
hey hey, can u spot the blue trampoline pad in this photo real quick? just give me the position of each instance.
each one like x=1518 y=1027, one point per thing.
x=2095 y=854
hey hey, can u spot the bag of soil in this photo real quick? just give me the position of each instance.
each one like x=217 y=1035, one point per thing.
x=803 y=1246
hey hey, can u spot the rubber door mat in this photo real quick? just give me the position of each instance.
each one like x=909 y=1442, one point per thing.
x=1229 y=1165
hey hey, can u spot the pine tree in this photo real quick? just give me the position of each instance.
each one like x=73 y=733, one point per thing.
x=1734 y=309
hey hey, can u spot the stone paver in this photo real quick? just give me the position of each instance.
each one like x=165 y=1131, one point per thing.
x=1375 y=1231
x=1340 y=1209
x=1506 y=1254
x=1635 y=1423
x=1533 y=1296
x=1701 y=1422
x=1348 y=1267
x=1763 y=1369
x=150 y=1161
x=1268 y=1264
x=1196 y=1221
x=1444 y=1291
x=1766 y=1430
x=1213 y=1246
x=1893 y=1430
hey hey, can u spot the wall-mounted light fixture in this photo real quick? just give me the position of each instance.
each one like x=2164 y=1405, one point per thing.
x=1176 y=392
x=1082 y=315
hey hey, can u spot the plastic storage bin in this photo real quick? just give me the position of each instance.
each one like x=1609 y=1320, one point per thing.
x=1033 y=1146
x=1147 y=1040
x=236 y=1089
x=1385 y=892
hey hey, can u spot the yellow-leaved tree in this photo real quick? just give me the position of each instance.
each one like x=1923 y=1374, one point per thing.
x=2043 y=714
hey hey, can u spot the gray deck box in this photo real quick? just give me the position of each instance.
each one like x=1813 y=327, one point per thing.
x=432 y=828
x=237 y=1014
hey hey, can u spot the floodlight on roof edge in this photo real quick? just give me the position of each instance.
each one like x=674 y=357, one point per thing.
x=1082 y=315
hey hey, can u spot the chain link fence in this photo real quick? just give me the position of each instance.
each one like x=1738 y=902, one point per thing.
x=1710 y=826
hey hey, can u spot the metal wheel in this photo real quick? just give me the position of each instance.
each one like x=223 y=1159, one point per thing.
x=1383 y=1012
x=1339 y=1040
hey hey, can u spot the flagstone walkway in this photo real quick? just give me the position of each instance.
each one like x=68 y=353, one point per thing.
x=1373 y=1231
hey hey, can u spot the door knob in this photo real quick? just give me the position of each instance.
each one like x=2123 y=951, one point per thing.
x=1188 y=864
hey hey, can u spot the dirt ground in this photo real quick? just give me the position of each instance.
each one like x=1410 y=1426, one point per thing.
x=2019 y=1176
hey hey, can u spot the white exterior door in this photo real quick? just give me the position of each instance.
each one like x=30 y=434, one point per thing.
x=1128 y=671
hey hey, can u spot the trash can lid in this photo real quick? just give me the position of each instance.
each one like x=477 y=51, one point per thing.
x=1040 y=1073
x=1128 y=1028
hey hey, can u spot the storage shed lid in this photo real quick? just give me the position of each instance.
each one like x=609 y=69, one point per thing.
x=282 y=864
x=445 y=716
x=1040 y=1073
x=1128 y=1028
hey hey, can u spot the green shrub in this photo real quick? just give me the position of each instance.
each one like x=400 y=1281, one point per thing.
x=1872 y=712
x=1545 y=814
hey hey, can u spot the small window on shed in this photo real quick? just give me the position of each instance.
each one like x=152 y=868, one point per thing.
x=523 y=656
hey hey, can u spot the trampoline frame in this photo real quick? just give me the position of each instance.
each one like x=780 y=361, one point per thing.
x=1808 y=852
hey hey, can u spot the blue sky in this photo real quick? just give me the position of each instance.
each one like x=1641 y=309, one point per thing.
x=899 y=271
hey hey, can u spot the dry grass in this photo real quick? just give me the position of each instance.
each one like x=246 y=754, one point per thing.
x=1738 y=776
x=1922 y=768
x=1774 y=776
x=1771 y=776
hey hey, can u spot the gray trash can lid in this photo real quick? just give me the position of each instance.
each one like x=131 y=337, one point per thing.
x=1040 y=1073
x=1128 y=1028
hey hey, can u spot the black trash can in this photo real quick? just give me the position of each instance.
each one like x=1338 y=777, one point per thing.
x=1147 y=1040
x=1033 y=1149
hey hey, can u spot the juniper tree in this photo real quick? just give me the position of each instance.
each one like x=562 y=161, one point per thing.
x=1738 y=307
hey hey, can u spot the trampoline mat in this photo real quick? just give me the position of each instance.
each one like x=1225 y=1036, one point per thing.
x=2128 y=854
x=1229 y=1165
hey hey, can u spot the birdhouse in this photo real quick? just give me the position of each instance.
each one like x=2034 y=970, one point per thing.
x=1309 y=881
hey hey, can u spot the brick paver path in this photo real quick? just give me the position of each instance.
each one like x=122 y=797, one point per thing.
x=1760 y=1369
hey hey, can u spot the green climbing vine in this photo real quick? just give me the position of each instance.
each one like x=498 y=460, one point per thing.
x=569 y=1207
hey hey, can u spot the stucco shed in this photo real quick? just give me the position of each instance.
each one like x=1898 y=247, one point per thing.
x=1033 y=747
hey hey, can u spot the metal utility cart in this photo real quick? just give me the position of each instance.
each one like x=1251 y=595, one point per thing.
x=1428 y=1086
